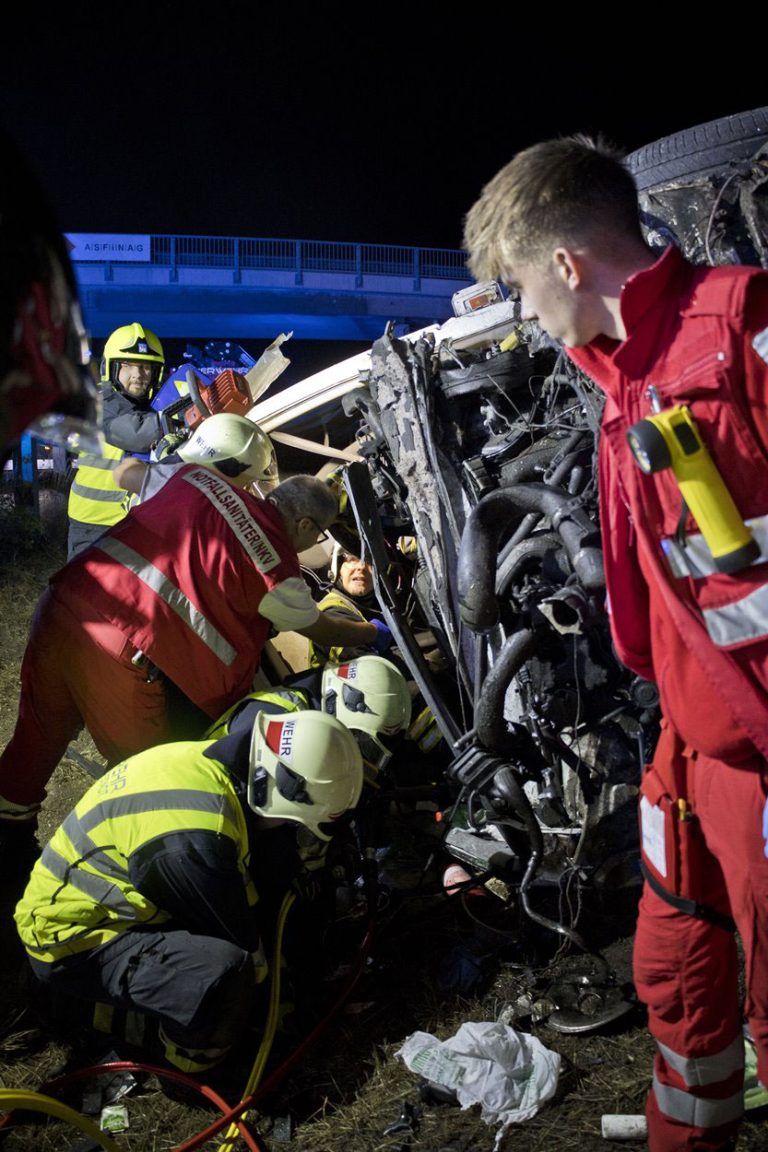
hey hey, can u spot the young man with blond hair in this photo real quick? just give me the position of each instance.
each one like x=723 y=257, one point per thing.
x=560 y=226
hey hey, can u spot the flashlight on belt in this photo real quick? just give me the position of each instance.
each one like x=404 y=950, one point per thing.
x=670 y=439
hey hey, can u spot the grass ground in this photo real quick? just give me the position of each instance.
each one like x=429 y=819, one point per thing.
x=349 y=1091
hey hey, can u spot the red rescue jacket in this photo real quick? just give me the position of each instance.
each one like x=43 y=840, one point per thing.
x=182 y=578
x=701 y=635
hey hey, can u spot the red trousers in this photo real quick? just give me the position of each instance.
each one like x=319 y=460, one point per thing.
x=686 y=969
x=77 y=670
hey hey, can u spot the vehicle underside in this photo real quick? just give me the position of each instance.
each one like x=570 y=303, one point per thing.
x=486 y=456
x=478 y=442
x=471 y=487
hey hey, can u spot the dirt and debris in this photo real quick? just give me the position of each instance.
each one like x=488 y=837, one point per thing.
x=348 y=1090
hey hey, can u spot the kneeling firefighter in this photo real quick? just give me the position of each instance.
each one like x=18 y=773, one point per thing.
x=143 y=900
x=369 y=696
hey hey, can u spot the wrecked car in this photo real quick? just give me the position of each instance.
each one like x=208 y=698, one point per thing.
x=477 y=439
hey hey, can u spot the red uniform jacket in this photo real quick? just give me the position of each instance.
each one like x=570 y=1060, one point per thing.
x=182 y=578
x=696 y=334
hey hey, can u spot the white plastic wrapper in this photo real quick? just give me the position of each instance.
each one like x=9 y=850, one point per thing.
x=509 y=1074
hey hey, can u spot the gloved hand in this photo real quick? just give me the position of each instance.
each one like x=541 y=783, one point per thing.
x=384 y=637
x=308 y=885
x=167 y=445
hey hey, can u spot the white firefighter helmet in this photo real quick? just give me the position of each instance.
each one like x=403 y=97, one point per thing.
x=304 y=766
x=370 y=696
x=237 y=447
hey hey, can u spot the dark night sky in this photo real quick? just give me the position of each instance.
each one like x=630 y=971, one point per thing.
x=294 y=121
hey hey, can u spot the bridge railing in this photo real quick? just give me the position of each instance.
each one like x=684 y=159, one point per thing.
x=301 y=256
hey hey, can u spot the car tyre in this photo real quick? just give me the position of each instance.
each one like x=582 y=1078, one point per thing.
x=700 y=151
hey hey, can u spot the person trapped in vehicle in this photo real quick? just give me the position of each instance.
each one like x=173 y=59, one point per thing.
x=142 y=916
x=132 y=365
x=351 y=596
x=560 y=226
x=163 y=622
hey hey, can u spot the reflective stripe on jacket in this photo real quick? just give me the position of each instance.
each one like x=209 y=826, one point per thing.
x=278 y=699
x=686 y=1105
x=708 y=633
x=80 y=894
x=130 y=427
x=183 y=577
x=94 y=498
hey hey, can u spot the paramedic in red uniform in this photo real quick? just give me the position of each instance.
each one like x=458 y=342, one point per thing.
x=159 y=626
x=560 y=225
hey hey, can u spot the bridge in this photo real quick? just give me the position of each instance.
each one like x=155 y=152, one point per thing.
x=197 y=287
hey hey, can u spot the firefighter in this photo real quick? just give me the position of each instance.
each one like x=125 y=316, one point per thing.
x=143 y=906
x=560 y=225
x=158 y=628
x=369 y=695
x=132 y=365
x=46 y=386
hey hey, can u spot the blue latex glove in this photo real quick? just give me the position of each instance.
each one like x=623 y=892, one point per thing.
x=384 y=638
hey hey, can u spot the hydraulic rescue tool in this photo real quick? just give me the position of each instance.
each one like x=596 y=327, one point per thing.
x=670 y=439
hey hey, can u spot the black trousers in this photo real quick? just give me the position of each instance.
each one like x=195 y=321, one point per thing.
x=201 y=989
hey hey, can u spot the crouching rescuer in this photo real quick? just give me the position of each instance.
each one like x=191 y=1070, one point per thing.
x=143 y=906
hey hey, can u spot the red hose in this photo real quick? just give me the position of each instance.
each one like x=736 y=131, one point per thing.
x=272 y=1081
x=229 y=1113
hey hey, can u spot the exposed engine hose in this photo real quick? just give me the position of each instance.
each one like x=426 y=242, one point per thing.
x=490 y=726
x=531 y=463
x=511 y=562
x=478 y=552
x=507 y=785
x=553 y=451
x=566 y=466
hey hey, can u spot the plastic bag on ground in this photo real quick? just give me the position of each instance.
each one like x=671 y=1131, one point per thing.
x=509 y=1074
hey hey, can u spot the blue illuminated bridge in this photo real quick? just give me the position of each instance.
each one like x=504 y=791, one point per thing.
x=239 y=288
